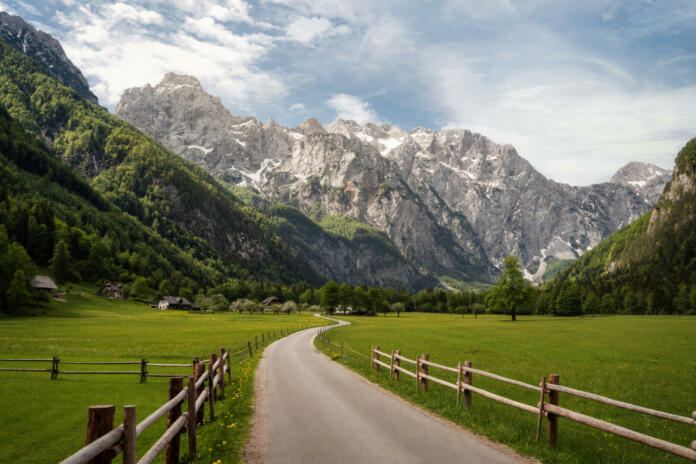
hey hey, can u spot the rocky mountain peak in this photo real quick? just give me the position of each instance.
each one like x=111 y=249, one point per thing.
x=172 y=82
x=648 y=180
x=45 y=50
x=311 y=127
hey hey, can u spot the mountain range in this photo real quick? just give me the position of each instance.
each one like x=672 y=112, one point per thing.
x=365 y=204
x=453 y=202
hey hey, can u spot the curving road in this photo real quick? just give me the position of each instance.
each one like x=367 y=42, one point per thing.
x=310 y=409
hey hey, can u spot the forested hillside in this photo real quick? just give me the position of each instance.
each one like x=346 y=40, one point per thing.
x=648 y=266
x=52 y=219
x=174 y=198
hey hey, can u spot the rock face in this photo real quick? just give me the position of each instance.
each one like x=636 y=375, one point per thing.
x=647 y=180
x=44 y=49
x=453 y=202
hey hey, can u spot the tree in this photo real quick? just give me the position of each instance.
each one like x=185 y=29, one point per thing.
x=591 y=304
x=166 y=288
x=17 y=293
x=140 y=288
x=186 y=293
x=289 y=307
x=345 y=296
x=329 y=296
x=375 y=299
x=60 y=264
x=219 y=302
x=512 y=293
x=360 y=300
x=397 y=307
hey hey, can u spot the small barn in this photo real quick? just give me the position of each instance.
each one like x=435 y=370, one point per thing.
x=43 y=283
x=270 y=301
x=175 y=302
x=112 y=290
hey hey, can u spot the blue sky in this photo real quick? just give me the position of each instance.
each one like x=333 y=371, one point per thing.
x=578 y=87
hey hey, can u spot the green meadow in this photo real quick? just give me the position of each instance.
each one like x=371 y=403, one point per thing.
x=44 y=420
x=644 y=360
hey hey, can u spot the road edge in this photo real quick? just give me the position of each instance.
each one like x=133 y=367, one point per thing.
x=453 y=425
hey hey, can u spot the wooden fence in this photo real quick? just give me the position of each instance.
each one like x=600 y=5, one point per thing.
x=143 y=364
x=549 y=391
x=205 y=385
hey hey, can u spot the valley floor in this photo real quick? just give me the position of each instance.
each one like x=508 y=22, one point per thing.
x=44 y=420
x=643 y=360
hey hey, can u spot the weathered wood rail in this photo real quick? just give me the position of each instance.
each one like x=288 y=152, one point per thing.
x=206 y=384
x=549 y=391
x=143 y=364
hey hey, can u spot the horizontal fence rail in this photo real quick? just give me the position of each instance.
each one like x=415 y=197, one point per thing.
x=105 y=442
x=548 y=398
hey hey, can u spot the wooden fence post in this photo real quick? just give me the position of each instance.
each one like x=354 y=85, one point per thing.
x=391 y=366
x=194 y=364
x=211 y=393
x=171 y=452
x=372 y=357
x=192 y=397
x=542 y=386
x=552 y=419
x=100 y=421
x=143 y=370
x=468 y=380
x=459 y=381
x=424 y=369
x=54 y=368
x=397 y=362
x=251 y=354
x=129 y=436
x=256 y=343
x=196 y=376
x=262 y=339
x=221 y=369
x=376 y=358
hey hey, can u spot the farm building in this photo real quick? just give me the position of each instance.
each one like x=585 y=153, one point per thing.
x=43 y=283
x=175 y=302
x=112 y=290
x=270 y=300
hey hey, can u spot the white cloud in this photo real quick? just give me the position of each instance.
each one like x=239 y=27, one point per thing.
x=297 y=107
x=117 y=48
x=305 y=30
x=351 y=107
x=575 y=118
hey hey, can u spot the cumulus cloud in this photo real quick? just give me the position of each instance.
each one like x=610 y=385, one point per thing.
x=351 y=107
x=306 y=30
x=117 y=47
x=297 y=107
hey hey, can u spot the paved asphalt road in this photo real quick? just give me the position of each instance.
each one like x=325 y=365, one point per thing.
x=311 y=410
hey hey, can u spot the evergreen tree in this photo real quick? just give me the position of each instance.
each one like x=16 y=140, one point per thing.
x=60 y=264
x=591 y=304
x=512 y=293
x=140 y=288
x=17 y=292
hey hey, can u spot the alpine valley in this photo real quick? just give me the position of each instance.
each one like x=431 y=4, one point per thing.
x=453 y=203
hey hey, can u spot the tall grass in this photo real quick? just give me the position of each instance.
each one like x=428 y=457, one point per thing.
x=43 y=420
x=649 y=361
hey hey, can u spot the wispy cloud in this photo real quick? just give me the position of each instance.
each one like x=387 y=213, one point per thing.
x=579 y=88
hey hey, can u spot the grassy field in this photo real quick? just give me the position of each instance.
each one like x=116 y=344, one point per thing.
x=44 y=420
x=649 y=361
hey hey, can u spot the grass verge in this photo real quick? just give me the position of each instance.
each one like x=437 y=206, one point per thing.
x=44 y=420
x=643 y=360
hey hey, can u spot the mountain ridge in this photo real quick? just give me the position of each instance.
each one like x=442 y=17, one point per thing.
x=453 y=201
